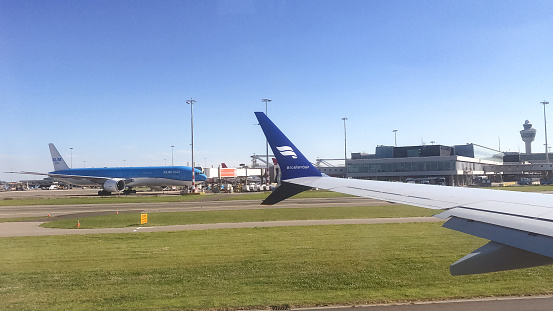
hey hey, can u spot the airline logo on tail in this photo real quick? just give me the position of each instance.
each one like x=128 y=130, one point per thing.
x=287 y=151
x=57 y=161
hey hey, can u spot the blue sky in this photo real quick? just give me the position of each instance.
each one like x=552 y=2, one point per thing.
x=111 y=78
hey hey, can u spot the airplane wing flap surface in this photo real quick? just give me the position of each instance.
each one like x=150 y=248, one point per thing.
x=512 y=208
x=494 y=257
x=523 y=223
x=535 y=243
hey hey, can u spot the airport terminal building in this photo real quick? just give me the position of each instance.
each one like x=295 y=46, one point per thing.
x=458 y=165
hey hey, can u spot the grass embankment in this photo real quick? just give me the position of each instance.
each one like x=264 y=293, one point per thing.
x=272 y=214
x=20 y=219
x=248 y=268
x=96 y=200
x=526 y=188
x=116 y=199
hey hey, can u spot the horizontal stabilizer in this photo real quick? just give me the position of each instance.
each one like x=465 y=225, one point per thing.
x=494 y=257
x=283 y=192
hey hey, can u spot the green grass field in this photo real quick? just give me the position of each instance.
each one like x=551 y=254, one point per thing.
x=19 y=219
x=248 y=268
x=527 y=188
x=271 y=214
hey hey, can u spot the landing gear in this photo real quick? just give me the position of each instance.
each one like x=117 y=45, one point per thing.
x=104 y=192
x=129 y=191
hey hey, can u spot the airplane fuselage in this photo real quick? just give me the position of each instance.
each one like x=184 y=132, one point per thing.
x=135 y=176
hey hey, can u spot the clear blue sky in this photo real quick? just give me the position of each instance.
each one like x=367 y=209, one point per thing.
x=110 y=78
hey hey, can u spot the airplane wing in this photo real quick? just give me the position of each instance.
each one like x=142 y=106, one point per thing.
x=92 y=179
x=519 y=225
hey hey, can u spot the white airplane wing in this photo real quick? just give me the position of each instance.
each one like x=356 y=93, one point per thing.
x=519 y=225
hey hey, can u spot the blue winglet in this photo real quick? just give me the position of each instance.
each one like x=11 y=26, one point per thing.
x=291 y=161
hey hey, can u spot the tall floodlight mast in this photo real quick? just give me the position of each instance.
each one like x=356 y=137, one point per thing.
x=345 y=143
x=191 y=103
x=545 y=122
x=266 y=101
x=172 y=155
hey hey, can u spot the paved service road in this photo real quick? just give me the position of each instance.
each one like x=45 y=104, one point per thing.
x=535 y=303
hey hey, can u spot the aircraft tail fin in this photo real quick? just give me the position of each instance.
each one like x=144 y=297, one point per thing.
x=293 y=163
x=59 y=163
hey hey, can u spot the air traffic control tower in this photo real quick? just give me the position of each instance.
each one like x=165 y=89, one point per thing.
x=528 y=134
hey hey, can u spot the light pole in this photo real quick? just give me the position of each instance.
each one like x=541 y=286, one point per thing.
x=71 y=156
x=172 y=155
x=395 y=138
x=545 y=122
x=191 y=103
x=266 y=101
x=345 y=142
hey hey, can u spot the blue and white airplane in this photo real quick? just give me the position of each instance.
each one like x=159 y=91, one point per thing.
x=519 y=225
x=116 y=179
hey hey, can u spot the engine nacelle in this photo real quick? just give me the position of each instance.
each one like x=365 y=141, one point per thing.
x=114 y=185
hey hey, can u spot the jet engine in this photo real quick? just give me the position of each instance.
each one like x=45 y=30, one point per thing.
x=114 y=185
